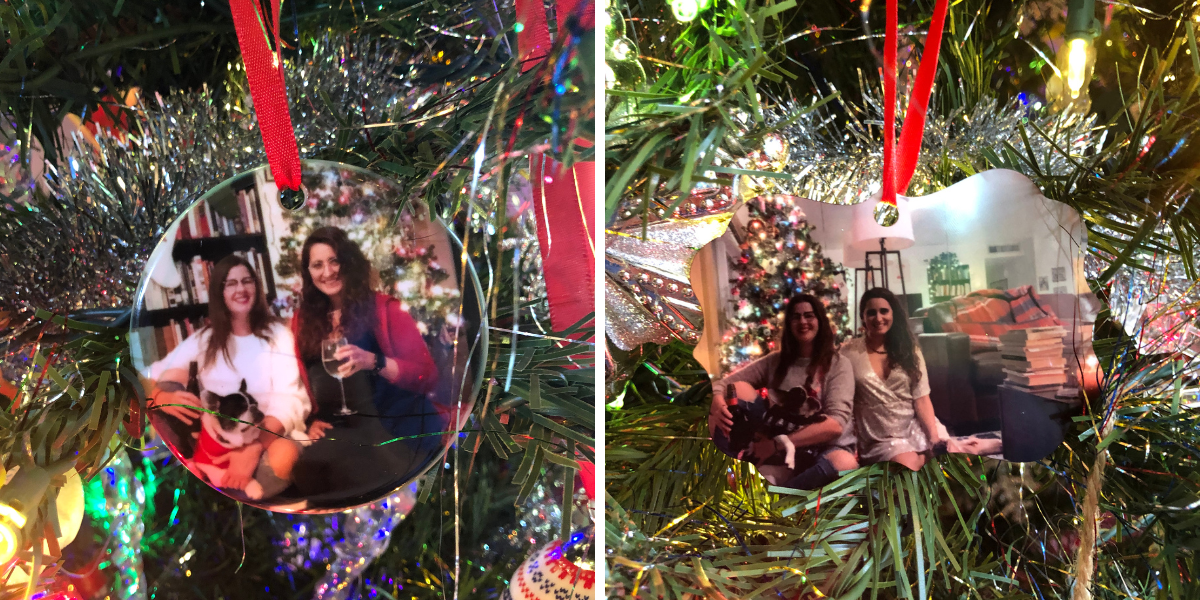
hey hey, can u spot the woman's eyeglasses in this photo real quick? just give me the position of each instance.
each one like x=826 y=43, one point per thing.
x=233 y=283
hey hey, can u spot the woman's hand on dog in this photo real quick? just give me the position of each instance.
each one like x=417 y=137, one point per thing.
x=163 y=399
x=719 y=417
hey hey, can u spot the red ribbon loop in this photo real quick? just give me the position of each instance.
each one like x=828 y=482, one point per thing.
x=264 y=71
x=898 y=172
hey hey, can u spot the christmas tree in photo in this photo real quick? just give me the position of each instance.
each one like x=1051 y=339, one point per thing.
x=778 y=260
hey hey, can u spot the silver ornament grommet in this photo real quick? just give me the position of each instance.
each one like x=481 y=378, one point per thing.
x=886 y=214
x=292 y=199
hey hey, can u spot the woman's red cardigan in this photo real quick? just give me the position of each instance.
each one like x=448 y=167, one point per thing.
x=400 y=340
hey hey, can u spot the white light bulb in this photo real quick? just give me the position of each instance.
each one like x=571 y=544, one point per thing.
x=686 y=10
x=1076 y=65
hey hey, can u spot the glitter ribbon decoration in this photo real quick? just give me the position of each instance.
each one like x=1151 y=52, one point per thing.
x=566 y=199
x=898 y=170
x=533 y=34
x=648 y=294
x=264 y=71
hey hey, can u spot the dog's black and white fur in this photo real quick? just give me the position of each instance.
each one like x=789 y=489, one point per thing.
x=787 y=412
x=236 y=427
x=240 y=415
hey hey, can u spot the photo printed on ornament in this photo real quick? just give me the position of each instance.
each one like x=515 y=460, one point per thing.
x=834 y=342
x=308 y=360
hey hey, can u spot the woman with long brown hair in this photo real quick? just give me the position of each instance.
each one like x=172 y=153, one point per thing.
x=366 y=367
x=243 y=349
x=893 y=415
x=805 y=381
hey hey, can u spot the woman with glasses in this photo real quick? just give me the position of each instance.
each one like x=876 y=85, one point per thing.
x=242 y=350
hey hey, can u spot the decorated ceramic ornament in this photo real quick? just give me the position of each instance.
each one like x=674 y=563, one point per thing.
x=308 y=360
x=983 y=280
x=555 y=573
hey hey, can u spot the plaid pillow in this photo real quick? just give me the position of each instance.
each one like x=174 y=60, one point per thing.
x=981 y=309
x=1027 y=306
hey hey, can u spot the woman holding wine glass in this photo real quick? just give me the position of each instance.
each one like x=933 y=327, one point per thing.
x=363 y=361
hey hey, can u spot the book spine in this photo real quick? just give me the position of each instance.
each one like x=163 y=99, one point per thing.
x=150 y=351
x=205 y=227
x=169 y=336
x=239 y=223
x=189 y=295
x=206 y=275
x=153 y=298
x=243 y=212
x=193 y=224
x=160 y=341
x=198 y=275
x=261 y=266
x=256 y=210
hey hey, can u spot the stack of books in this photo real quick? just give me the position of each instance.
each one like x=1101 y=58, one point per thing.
x=1033 y=358
x=151 y=344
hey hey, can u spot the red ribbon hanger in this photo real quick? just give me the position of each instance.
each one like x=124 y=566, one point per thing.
x=264 y=71
x=566 y=198
x=898 y=171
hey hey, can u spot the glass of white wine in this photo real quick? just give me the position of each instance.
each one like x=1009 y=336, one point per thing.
x=329 y=350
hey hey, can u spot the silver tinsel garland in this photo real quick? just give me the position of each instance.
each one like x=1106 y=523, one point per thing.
x=124 y=500
x=539 y=520
x=1156 y=304
x=836 y=156
x=102 y=209
x=366 y=532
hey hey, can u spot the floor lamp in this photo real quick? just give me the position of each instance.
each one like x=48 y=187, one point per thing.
x=878 y=244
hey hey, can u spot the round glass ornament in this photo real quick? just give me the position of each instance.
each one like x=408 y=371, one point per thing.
x=312 y=359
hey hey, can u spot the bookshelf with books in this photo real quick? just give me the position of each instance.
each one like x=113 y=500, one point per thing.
x=211 y=231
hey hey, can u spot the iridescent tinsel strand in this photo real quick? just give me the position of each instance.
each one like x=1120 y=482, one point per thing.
x=124 y=499
x=365 y=534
